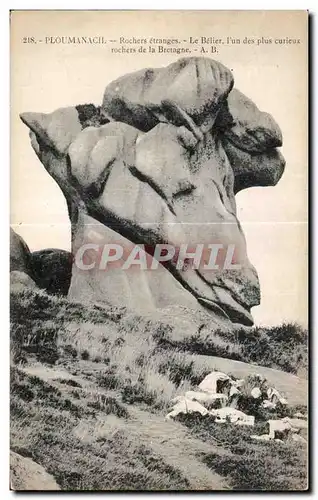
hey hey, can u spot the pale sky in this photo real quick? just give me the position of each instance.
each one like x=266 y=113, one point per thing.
x=46 y=77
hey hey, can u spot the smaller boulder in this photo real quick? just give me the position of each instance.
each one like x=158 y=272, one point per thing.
x=52 y=270
x=211 y=383
x=27 y=475
x=207 y=399
x=296 y=423
x=194 y=87
x=186 y=406
x=20 y=280
x=20 y=257
x=279 y=428
x=233 y=416
x=262 y=437
x=246 y=126
x=275 y=397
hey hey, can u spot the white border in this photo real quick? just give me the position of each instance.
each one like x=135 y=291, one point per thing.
x=4 y=184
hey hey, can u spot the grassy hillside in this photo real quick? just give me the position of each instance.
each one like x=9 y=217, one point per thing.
x=91 y=387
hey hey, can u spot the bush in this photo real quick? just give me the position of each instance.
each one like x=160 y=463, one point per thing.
x=137 y=393
x=107 y=405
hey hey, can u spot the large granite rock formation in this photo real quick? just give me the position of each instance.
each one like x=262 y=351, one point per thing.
x=159 y=163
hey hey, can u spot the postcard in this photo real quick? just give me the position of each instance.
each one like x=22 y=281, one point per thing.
x=159 y=250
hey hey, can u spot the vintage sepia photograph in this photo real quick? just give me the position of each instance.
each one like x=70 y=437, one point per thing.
x=159 y=251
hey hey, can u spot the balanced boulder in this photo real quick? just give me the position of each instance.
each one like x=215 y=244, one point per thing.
x=159 y=163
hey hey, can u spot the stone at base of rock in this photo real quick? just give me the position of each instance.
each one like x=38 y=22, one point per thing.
x=228 y=414
x=206 y=399
x=52 y=270
x=262 y=437
x=27 y=475
x=185 y=406
x=20 y=280
x=299 y=439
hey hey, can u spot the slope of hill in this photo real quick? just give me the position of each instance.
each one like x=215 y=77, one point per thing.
x=91 y=386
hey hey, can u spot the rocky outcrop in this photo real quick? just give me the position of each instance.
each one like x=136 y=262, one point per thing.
x=48 y=269
x=27 y=475
x=20 y=280
x=20 y=256
x=52 y=270
x=21 y=272
x=225 y=399
x=189 y=90
x=159 y=163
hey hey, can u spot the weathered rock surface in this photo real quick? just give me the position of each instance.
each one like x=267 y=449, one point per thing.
x=248 y=128
x=195 y=85
x=27 y=475
x=228 y=414
x=206 y=399
x=52 y=269
x=250 y=169
x=160 y=162
x=185 y=405
x=20 y=256
x=291 y=387
x=21 y=273
x=51 y=135
x=214 y=399
x=249 y=136
x=211 y=383
x=49 y=269
x=20 y=280
x=278 y=427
